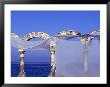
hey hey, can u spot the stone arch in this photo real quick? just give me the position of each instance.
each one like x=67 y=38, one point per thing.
x=52 y=48
x=14 y=34
x=95 y=34
x=36 y=34
x=68 y=32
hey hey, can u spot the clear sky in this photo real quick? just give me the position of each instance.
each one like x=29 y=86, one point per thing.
x=51 y=22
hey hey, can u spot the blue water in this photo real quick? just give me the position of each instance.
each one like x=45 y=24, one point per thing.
x=32 y=70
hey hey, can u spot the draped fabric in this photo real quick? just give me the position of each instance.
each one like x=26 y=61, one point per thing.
x=69 y=58
x=18 y=42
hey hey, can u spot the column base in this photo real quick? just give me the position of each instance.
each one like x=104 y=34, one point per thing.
x=52 y=73
x=21 y=74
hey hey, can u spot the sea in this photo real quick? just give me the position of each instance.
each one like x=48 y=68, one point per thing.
x=31 y=69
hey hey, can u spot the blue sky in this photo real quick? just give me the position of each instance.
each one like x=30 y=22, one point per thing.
x=51 y=22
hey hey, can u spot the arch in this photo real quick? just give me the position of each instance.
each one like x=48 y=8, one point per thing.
x=90 y=36
x=67 y=34
x=52 y=47
x=14 y=34
x=36 y=34
x=95 y=34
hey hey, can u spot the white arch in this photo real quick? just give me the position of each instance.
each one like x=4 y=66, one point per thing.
x=36 y=34
x=67 y=34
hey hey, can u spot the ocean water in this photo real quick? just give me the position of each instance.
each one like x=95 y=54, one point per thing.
x=43 y=70
x=31 y=69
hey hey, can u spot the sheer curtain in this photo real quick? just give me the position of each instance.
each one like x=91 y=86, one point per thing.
x=69 y=58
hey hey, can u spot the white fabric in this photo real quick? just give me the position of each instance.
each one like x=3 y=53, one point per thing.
x=69 y=58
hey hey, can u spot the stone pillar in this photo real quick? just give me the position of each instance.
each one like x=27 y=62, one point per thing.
x=85 y=41
x=22 y=73
x=53 y=61
x=85 y=54
x=53 y=64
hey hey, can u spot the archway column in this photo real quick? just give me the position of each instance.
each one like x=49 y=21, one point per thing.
x=85 y=56
x=85 y=41
x=22 y=72
x=53 y=63
x=53 y=59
